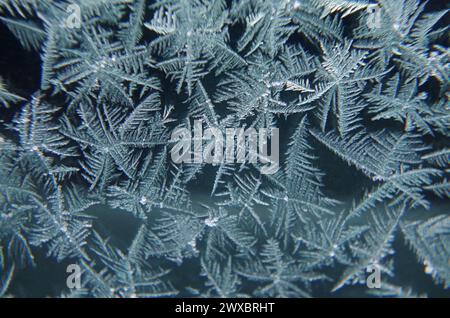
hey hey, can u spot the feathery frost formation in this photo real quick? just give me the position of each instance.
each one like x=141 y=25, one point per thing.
x=356 y=83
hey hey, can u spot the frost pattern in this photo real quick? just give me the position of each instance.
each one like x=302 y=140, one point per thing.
x=96 y=135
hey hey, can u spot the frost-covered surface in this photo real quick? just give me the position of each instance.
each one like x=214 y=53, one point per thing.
x=86 y=176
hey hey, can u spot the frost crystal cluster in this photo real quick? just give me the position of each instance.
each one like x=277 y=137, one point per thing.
x=359 y=90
